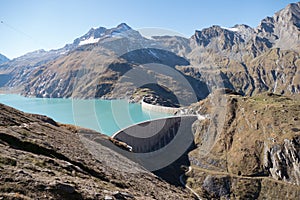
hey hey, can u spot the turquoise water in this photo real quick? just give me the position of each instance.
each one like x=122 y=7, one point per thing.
x=105 y=116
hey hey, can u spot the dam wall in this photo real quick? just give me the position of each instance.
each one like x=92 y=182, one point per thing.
x=157 y=108
x=151 y=135
x=158 y=143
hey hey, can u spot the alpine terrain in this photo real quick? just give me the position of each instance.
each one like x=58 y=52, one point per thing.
x=242 y=82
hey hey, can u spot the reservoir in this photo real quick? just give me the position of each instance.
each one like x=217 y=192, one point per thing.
x=105 y=116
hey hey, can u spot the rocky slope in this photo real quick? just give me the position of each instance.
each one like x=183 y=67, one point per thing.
x=3 y=59
x=247 y=148
x=248 y=60
x=275 y=70
x=251 y=60
x=41 y=159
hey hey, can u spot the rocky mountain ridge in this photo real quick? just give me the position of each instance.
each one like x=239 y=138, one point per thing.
x=283 y=28
x=248 y=60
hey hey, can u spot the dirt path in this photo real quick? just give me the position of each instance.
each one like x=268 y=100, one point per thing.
x=228 y=174
x=242 y=177
x=183 y=183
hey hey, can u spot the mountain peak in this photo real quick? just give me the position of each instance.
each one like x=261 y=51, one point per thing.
x=292 y=12
x=120 y=29
x=124 y=27
x=94 y=35
x=293 y=7
x=283 y=29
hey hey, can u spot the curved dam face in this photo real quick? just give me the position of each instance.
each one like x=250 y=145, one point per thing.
x=158 y=143
x=149 y=136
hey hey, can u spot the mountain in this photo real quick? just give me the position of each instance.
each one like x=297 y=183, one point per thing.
x=247 y=60
x=280 y=31
x=95 y=64
x=283 y=28
x=3 y=59
x=95 y=34
x=23 y=69
x=251 y=60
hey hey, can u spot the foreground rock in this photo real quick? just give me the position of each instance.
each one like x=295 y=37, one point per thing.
x=41 y=159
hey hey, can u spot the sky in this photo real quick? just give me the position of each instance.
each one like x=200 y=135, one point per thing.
x=29 y=25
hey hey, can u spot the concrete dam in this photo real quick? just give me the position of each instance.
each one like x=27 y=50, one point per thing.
x=157 y=143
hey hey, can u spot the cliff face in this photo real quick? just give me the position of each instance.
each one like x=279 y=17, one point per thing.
x=283 y=28
x=250 y=60
x=247 y=148
x=43 y=159
x=275 y=70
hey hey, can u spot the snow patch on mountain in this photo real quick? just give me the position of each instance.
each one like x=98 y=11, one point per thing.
x=234 y=29
x=90 y=40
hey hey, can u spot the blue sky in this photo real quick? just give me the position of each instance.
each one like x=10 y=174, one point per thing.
x=28 y=25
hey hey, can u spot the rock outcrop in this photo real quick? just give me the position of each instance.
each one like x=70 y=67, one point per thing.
x=282 y=161
x=247 y=147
